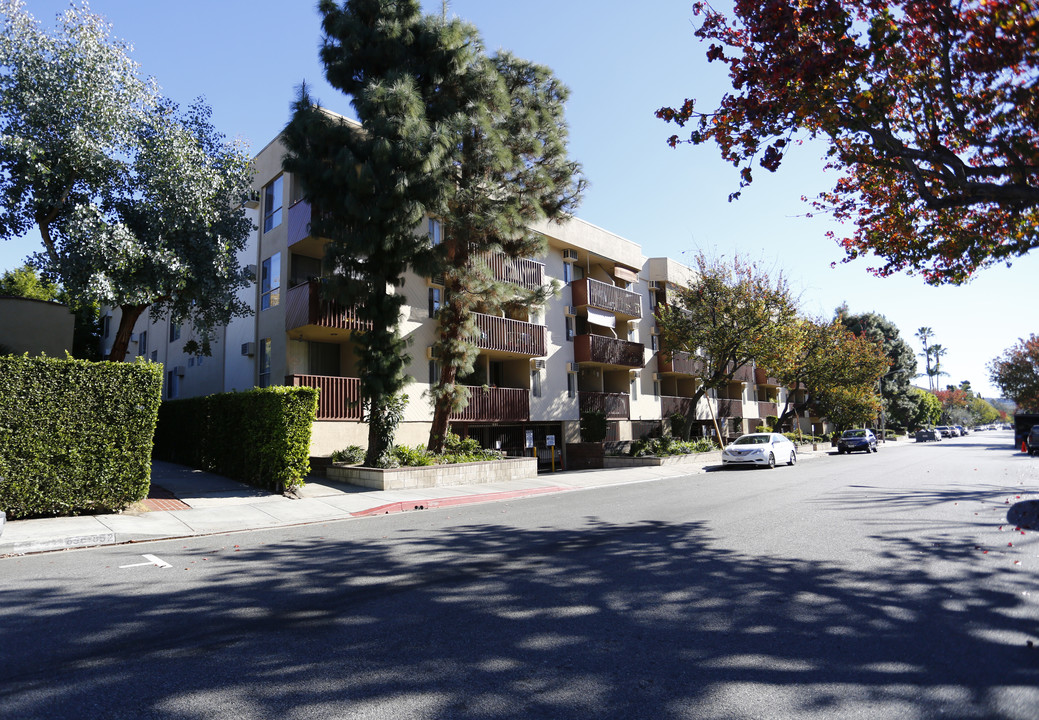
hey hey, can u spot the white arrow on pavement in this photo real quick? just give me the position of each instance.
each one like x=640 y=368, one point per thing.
x=152 y=560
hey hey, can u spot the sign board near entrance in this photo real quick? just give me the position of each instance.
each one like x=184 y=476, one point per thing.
x=530 y=439
x=550 y=441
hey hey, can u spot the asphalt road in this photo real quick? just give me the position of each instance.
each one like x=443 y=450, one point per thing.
x=867 y=586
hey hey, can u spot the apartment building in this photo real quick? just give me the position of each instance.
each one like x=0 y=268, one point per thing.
x=592 y=347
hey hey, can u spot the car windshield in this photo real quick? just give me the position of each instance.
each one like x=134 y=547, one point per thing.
x=752 y=440
x=854 y=433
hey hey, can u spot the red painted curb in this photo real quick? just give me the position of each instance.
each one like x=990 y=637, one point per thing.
x=432 y=503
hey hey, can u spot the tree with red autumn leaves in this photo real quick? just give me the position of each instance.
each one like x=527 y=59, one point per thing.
x=1016 y=373
x=928 y=109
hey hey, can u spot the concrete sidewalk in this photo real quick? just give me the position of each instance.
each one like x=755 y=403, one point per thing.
x=200 y=503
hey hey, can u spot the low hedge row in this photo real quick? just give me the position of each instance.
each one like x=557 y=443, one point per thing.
x=260 y=436
x=75 y=436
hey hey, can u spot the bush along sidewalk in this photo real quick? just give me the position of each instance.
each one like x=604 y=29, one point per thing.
x=75 y=436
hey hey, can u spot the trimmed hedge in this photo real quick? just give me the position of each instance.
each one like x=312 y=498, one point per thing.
x=260 y=436
x=75 y=436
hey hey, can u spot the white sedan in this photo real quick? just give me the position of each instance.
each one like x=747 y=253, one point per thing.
x=764 y=449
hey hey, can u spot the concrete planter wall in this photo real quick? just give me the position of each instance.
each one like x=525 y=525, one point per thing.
x=707 y=458
x=476 y=473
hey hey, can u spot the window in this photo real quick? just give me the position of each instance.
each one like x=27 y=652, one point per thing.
x=434 y=372
x=569 y=328
x=568 y=272
x=435 y=232
x=270 y=282
x=142 y=344
x=535 y=383
x=435 y=300
x=634 y=388
x=631 y=333
x=265 y=362
x=272 y=205
x=656 y=388
x=571 y=385
x=106 y=325
x=174 y=331
x=172 y=384
x=155 y=356
x=654 y=343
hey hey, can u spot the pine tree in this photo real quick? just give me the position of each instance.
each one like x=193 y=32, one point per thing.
x=510 y=171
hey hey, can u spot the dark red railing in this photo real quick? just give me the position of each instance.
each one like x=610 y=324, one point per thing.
x=339 y=398
x=680 y=362
x=515 y=336
x=669 y=405
x=614 y=405
x=495 y=404
x=304 y=306
x=609 y=351
x=729 y=407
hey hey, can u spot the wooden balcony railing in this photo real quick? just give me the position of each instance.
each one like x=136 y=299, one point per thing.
x=339 y=398
x=729 y=407
x=495 y=404
x=304 y=306
x=514 y=336
x=767 y=408
x=520 y=271
x=681 y=363
x=606 y=297
x=669 y=405
x=609 y=351
x=614 y=405
x=745 y=373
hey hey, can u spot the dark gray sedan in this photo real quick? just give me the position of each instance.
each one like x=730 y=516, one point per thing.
x=859 y=439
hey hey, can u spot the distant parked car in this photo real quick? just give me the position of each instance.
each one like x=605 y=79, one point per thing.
x=761 y=449
x=1032 y=441
x=945 y=430
x=963 y=430
x=928 y=435
x=859 y=439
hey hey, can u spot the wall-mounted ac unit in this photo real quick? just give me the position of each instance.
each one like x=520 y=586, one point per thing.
x=539 y=364
x=437 y=281
x=249 y=349
x=179 y=371
x=572 y=367
x=569 y=255
x=656 y=377
x=429 y=353
x=633 y=323
x=571 y=311
x=654 y=330
x=655 y=285
x=636 y=373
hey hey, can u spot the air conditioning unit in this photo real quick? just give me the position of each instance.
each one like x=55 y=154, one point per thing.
x=654 y=330
x=429 y=353
x=540 y=364
x=437 y=281
x=571 y=311
x=633 y=323
x=572 y=367
x=569 y=255
x=179 y=371
x=656 y=377
x=249 y=349
x=636 y=373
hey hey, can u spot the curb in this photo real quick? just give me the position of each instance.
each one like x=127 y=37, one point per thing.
x=433 y=503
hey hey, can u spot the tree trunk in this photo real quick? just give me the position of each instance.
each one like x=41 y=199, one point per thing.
x=130 y=313
x=442 y=410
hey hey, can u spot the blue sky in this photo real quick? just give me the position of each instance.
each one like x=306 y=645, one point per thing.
x=621 y=64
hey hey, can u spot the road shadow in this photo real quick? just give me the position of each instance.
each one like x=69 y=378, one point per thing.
x=631 y=620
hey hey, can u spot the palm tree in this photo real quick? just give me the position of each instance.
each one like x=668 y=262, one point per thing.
x=925 y=334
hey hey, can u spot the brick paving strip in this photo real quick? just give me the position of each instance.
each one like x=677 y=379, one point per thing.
x=159 y=498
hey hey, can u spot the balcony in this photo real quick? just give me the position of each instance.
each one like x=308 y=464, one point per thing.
x=304 y=307
x=339 y=398
x=761 y=377
x=613 y=405
x=680 y=363
x=729 y=407
x=520 y=271
x=495 y=405
x=744 y=373
x=608 y=351
x=669 y=405
x=515 y=337
x=767 y=408
x=626 y=304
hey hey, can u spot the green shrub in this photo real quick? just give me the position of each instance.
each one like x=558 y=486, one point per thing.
x=664 y=446
x=260 y=436
x=75 y=436
x=352 y=455
x=456 y=450
x=412 y=456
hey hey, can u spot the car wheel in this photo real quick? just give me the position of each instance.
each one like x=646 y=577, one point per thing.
x=771 y=461
x=874 y=448
x=840 y=451
x=793 y=458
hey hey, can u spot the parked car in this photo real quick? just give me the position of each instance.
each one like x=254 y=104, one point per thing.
x=859 y=439
x=945 y=430
x=928 y=435
x=1032 y=440
x=760 y=449
x=962 y=430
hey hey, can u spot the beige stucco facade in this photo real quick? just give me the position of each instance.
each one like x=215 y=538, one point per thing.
x=35 y=327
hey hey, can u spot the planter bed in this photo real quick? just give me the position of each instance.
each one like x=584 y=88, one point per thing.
x=705 y=458
x=428 y=476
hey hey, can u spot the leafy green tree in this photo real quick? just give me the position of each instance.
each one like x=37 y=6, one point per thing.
x=370 y=185
x=926 y=108
x=816 y=356
x=24 y=282
x=898 y=406
x=929 y=408
x=1016 y=373
x=727 y=316
x=848 y=407
x=510 y=170
x=138 y=204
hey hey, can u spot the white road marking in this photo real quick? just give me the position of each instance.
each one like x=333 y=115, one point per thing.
x=152 y=560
